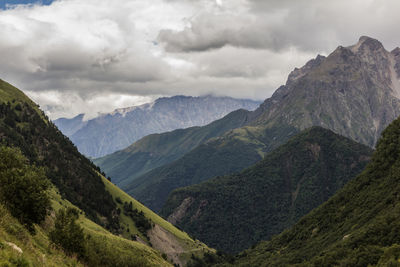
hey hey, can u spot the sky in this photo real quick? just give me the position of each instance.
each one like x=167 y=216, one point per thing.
x=91 y=56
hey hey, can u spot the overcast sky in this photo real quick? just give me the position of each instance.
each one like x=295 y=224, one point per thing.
x=90 y=56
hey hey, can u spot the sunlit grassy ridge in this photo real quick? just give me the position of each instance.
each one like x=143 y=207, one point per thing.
x=189 y=245
x=77 y=183
x=127 y=250
x=9 y=93
x=36 y=250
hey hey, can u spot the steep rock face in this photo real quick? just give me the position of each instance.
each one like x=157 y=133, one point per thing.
x=354 y=92
x=117 y=130
x=232 y=213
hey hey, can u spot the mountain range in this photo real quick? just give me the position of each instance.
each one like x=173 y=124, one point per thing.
x=354 y=92
x=113 y=131
x=298 y=172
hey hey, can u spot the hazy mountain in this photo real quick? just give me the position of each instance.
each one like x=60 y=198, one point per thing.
x=232 y=213
x=353 y=92
x=117 y=130
x=70 y=126
x=358 y=226
x=158 y=149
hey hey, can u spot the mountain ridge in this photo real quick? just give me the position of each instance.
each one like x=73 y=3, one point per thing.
x=231 y=213
x=157 y=150
x=116 y=130
x=358 y=226
x=349 y=92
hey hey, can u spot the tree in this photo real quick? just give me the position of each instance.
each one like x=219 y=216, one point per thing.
x=23 y=188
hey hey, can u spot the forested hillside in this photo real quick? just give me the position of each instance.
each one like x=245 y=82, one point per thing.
x=232 y=213
x=358 y=226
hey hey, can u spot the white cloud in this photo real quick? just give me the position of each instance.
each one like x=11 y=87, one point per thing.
x=59 y=104
x=96 y=55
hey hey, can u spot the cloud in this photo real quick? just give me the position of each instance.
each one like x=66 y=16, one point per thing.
x=60 y=104
x=93 y=56
x=308 y=25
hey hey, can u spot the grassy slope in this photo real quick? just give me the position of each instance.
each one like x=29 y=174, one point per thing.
x=10 y=93
x=23 y=125
x=233 y=212
x=130 y=250
x=187 y=243
x=358 y=226
x=52 y=150
x=36 y=249
x=158 y=149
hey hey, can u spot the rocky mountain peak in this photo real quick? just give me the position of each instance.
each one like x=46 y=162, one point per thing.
x=367 y=43
x=355 y=91
x=396 y=52
x=300 y=72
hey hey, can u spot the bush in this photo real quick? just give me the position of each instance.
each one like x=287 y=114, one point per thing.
x=23 y=188
x=67 y=234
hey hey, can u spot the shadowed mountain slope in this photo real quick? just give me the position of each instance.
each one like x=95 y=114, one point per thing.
x=232 y=213
x=358 y=226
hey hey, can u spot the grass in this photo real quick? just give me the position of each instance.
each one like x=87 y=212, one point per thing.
x=125 y=249
x=185 y=239
x=9 y=93
x=36 y=249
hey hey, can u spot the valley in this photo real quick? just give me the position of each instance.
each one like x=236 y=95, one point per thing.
x=309 y=177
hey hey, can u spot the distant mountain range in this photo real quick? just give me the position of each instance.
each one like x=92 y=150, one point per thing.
x=114 y=131
x=353 y=92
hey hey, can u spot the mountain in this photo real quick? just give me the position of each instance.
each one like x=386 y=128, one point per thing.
x=353 y=92
x=114 y=131
x=358 y=226
x=120 y=231
x=215 y=157
x=70 y=126
x=156 y=150
x=231 y=213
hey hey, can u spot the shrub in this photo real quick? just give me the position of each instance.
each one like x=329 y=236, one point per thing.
x=67 y=234
x=23 y=188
